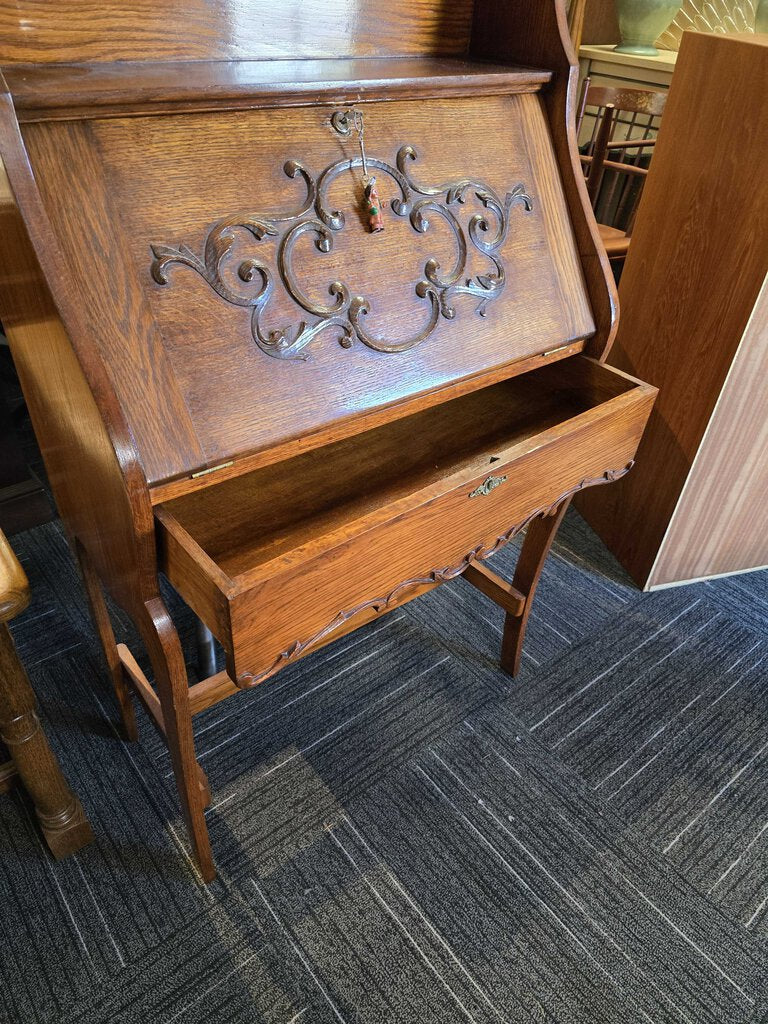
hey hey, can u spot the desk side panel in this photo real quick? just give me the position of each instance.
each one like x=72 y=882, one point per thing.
x=101 y=504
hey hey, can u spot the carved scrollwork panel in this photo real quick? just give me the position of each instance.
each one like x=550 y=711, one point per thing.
x=251 y=282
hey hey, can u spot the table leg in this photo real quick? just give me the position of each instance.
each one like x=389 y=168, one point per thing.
x=59 y=812
x=538 y=540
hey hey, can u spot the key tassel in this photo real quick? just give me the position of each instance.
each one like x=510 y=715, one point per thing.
x=373 y=207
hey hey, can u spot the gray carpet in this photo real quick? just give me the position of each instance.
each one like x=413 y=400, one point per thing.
x=406 y=835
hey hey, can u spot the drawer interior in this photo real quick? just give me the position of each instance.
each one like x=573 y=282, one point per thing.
x=248 y=521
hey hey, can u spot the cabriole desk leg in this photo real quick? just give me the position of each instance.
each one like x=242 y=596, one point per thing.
x=538 y=540
x=61 y=816
x=164 y=649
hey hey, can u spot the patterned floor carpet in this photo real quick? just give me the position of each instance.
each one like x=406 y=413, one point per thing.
x=406 y=835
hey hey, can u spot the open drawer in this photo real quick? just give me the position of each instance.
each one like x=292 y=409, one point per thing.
x=286 y=558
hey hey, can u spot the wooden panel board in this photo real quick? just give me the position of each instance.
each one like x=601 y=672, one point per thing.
x=63 y=30
x=99 y=490
x=189 y=362
x=721 y=522
x=400 y=558
x=698 y=259
x=601 y=24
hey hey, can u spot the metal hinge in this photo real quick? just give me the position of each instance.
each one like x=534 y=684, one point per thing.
x=552 y=351
x=213 y=469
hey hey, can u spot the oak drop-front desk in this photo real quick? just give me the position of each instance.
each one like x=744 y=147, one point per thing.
x=301 y=422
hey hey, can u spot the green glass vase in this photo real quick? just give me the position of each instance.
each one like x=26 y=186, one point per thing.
x=641 y=22
x=761 y=17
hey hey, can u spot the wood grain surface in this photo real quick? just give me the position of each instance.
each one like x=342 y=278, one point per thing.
x=697 y=263
x=47 y=91
x=191 y=391
x=14 y=587
x=537 y=33
x=98 y=484
x=248 y=554
x=134 y=30
x=143 y=366
x=720 y=524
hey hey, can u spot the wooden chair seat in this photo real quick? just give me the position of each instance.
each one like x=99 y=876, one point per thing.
x=615 y=240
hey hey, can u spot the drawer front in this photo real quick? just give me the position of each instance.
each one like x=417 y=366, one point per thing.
x=296 y=612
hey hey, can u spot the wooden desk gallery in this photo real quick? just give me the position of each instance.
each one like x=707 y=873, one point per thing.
x=237 y=380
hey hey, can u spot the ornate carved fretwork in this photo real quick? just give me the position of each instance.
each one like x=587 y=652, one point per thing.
x=250 y=282
x=246 y=680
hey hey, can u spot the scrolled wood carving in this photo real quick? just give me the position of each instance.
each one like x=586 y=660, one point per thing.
x=252 y=284
x=247 y=680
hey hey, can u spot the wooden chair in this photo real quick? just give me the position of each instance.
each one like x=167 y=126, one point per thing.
x=616 y=154
x=59 y=812
x=576 y=11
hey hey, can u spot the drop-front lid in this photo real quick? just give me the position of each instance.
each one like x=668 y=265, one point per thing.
x=235 y=289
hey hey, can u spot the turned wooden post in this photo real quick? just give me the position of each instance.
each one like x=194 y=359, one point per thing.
x=59 y=812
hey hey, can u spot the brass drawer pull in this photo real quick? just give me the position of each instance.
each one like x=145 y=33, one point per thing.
x=487 y=486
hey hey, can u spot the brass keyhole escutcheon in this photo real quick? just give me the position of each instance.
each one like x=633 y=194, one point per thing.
x=487 y=486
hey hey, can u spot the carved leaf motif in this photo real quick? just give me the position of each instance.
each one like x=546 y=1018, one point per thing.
x=485 y=232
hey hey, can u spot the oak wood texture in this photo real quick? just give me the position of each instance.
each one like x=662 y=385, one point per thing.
x=296 y=499
x=14 y=586
x=81 y=428
x=168 y=179
x=47 y=31
x=694 y=325
x=388 y=507
x=538 y=34
x=364 y=421
x=71 y=91
x=143 y=689
x=59 y=812
x=164 y=648
x=492 y=585
x=576 y=13
x=100 y=616
x=538 y=540
x=601 y=23
x=208 y=692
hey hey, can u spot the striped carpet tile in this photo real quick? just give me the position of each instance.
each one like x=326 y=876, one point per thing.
x=405 y=834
